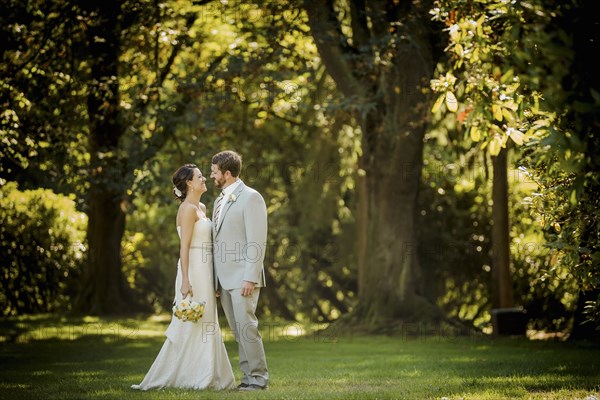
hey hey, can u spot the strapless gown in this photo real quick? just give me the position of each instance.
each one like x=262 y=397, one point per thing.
x=193 y=355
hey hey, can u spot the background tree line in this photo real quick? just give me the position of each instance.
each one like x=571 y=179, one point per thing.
x=380 y=211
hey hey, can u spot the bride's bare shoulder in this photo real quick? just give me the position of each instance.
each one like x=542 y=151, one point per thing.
x=185 y=207
x=185 y=211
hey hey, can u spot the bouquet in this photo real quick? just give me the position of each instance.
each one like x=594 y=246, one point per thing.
x=188 y=310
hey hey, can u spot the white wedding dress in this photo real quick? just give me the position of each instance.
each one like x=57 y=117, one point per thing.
x=194 y=355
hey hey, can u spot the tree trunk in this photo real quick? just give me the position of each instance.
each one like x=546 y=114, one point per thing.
x=392 y=108
x=503 y=296
x=391 y=270
x=391 y=266
x=103 y=288
x=362 y=219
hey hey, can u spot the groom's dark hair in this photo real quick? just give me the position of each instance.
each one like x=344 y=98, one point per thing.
x=228 y=160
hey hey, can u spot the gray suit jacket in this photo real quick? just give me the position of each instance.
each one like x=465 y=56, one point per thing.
x=240 y=239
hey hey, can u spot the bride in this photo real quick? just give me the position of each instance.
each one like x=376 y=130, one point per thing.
x=193 y=356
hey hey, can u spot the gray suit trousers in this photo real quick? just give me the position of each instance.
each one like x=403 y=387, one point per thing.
x=240 y=312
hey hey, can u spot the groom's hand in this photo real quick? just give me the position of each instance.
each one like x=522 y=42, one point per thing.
x=247 y=288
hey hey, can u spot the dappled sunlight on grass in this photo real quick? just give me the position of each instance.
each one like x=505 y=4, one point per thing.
x=41 y=373
x=27 y=329
x=39 y=328
x=463 y=359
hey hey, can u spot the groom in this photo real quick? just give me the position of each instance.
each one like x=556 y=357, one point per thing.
x=240 y=236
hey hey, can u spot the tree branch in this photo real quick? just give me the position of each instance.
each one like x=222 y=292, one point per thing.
x=63 y=14
x=335 y=53
x=178 y=46
x=158 y=140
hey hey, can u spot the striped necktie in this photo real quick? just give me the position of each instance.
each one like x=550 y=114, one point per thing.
x=218 y=208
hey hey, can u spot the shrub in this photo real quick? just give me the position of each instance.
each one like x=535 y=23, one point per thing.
x=41 y=252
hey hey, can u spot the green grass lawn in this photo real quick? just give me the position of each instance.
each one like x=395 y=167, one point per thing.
x=49 y=357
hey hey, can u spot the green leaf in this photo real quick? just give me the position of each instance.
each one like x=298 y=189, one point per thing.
x=495 y=147
x=475 y=55
x=573 y=198
x=451 y=101
x=517 y=136
x=507 y=77
x=438 y=103
x=507 y=114
x=497 y=111
x=475 y=135
x=481 y=20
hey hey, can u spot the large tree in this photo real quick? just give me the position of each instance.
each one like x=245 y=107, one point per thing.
x=382 y=55
x=89 y=83
x=117 y=145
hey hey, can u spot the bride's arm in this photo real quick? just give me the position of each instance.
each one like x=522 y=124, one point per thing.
x=188 y=218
